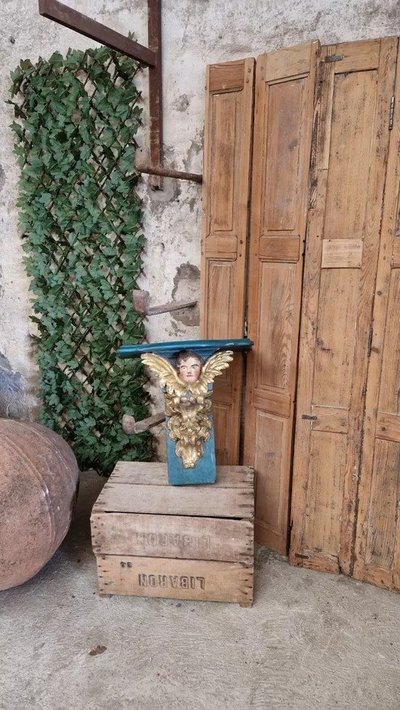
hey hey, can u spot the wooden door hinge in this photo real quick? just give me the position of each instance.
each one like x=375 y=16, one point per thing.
x=391 y=112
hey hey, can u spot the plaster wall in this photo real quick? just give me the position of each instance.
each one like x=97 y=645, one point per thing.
x=195 y=33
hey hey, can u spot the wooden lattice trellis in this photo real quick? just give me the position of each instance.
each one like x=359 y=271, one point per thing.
x=76 y=119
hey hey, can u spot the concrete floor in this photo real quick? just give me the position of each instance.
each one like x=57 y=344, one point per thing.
x=311 y=641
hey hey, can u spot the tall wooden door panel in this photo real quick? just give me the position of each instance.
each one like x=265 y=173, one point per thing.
x=282 y=140
x=226 y=194
x=355 y=84
x=377 y=557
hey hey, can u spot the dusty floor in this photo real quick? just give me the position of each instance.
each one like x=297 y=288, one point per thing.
x=310 y=641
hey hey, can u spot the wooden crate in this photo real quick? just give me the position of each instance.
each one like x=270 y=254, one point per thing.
x=183 y=542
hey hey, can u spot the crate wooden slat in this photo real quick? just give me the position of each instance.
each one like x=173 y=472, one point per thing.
x=133 y=488
x=183 y=542
x=139 y=473
x=177 y=500
x=200 y=580
x=172 y=536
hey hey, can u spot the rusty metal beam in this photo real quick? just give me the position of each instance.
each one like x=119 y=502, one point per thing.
x=150 y=56
x=169 y=172
x=155 y=88
x=131 y=426
x=74 y=20
x=141 y=304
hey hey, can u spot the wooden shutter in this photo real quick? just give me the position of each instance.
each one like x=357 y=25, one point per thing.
x=282 y=139
x=226 y=190
x=355 y=86
x=378 y=530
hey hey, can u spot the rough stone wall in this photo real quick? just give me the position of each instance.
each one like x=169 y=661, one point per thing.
x=195 y=32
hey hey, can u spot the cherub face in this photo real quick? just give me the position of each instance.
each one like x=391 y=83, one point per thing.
x=189 y=369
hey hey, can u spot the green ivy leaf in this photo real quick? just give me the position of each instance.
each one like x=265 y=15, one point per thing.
x=75 y=124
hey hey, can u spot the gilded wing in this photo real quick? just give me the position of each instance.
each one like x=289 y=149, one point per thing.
x=166 y=372
x=213 y=367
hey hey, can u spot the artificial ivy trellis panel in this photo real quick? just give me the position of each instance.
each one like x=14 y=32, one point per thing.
x=76 y=119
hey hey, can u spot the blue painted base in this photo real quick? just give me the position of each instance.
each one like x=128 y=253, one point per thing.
x=205 y=471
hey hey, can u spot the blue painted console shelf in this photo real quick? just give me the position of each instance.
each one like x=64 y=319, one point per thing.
x=186 y=370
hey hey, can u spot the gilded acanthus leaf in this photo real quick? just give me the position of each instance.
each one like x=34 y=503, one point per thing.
x=214 y=366
x=165 y=371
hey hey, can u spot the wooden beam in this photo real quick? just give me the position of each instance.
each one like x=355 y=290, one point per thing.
x=77 y=22
x=169 y=172
x=131 y=426
x=155 y=88
x=141 y=304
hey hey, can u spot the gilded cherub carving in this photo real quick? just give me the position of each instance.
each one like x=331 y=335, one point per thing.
x=187 y=390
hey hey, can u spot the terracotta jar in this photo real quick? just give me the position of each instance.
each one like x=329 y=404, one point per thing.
x=38 y=487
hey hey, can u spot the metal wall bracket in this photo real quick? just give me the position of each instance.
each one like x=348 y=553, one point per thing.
x=141 y=304
x=149 y=56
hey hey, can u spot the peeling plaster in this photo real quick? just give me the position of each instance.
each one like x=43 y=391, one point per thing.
x=14 y=401
x=186 y=288
x=181 y=103
x=170 y=192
